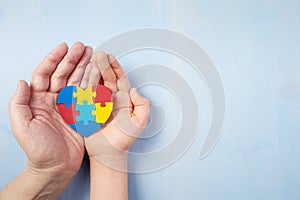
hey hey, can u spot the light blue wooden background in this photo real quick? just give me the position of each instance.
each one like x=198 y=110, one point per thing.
x=255 y=46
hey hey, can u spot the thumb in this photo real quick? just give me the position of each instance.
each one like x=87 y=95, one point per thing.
x=140 y=107
x=20 y=113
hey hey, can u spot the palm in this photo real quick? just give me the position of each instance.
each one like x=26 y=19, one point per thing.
x=49 y=140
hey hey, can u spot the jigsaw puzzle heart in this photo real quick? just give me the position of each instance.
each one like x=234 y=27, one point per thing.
x=85 y=110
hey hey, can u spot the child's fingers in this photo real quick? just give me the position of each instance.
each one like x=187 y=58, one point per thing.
x=95 y=75
x=116 y=67
x=108 y=75
x=122 y=79
x=86 y=76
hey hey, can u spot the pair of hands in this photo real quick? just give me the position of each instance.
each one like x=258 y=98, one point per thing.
x=52 y=148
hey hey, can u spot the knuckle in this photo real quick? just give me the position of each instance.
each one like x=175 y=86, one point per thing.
x=59 y=76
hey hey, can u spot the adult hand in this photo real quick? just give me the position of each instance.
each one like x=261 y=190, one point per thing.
x=54 y=151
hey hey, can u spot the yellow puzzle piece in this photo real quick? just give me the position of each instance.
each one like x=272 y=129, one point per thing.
x=102 y=113
x=84 y=95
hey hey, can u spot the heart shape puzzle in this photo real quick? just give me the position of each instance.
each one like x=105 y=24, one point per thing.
x=85 y=110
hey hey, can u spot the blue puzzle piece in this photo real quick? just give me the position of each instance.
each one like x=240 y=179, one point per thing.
x=85 y=114
x=87 y=130
x=65 y=96
x=73 y=126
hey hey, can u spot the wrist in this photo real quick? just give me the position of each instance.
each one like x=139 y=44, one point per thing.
x=32 y=184
x=60 y=174
x=50 y=172
x=53 y=182
x=115 y=161
x=118 y=137
x=102 y=152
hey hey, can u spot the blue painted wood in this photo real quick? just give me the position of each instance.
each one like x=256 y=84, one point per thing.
x=255 y=46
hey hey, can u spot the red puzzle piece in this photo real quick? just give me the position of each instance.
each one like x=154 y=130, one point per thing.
x=103 y=95
x=68 y=114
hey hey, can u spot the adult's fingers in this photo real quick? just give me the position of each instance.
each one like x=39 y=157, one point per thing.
x=66 y=66
x=77 y=74
x=122 y=79
x=40 y=80
x=108 y=75
x=86 y=76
